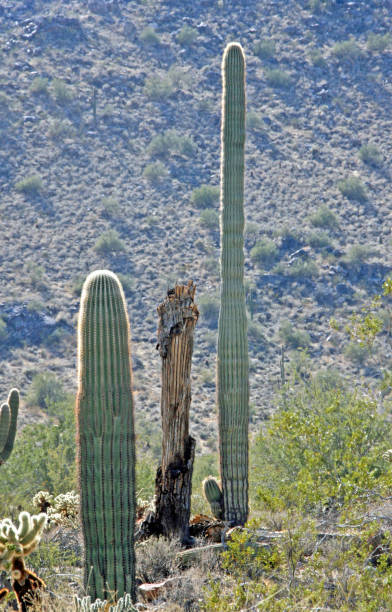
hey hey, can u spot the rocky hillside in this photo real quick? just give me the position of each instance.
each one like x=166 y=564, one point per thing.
x=109 y=130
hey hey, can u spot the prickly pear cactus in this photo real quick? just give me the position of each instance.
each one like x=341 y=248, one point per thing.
x=105 y=438
x=232 y=357
x=8 y=420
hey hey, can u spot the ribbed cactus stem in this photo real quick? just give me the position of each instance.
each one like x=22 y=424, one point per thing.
x=8 y=421
x=106 y=447
x=213 y=495
x=232 y=367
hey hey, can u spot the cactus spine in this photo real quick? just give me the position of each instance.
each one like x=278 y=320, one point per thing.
x=106 y=445
x=232 y=362
x=8 y=419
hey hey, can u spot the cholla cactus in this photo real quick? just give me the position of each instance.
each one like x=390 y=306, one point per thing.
x=65 y=510
x=20 y=541
x=15 y=544
x=43 y=500
x=124 y=604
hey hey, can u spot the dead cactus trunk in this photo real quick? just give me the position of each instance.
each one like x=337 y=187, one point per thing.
x=173 y=486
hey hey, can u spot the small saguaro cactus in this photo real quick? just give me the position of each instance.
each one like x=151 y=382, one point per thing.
x=8 y=419
x=213 y=495
x=232 y=354
x=15 y=544
x=105 y=438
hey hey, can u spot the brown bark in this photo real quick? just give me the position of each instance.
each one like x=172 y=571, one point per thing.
x=27 y=586
x=177 y=318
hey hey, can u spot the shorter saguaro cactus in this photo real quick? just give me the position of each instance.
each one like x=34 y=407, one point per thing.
x=8 y=419
x=15 y=544
x=213 y=495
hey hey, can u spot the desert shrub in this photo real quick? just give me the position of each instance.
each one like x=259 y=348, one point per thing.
x=346 y=50
x=45 y=391
x=60 y=129
x=155 y=172
x=159 y=87
x=172 y=141
x=209 y=218
x=353 y=189
x=370 y=154
x=62 y=92
x=357 y=353
x=256 y=335
x=378 y=42
x=322 y=446
x=358 y=253
x=324 y=217
x=292 y=336
x=39 y=85
x=318 y=240
x=303 y=268
x=31 y=185
x=187 y=36
x=278 y=78
x=205 y=196
x=43 y=458
x=317 y=59
x=264 y=49
x=264 y=252
x=209 y=309
x=149 y=37
x=254 y=122
x=108 y=242
x=110 y=206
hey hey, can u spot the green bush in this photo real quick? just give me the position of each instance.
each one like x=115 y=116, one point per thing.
x=317 y=58
x=318 y=240
x=357 y=353
x=159 y=87
x=293 y=337
x=155 y=172
x=353 y=189
x=149 y=36
x=378 y=42
x=264 y=49
x=63 y=92
x=209 y=310
x=108 y=242
x=209 y=218
x=39 y=85
x=303 y=268
x=187 y=36
x=172 y=142
x=359 y=253
x=278 y=78
x=45 y=390
x=254 y=122
x=322 y=446
x=324 y=217
x=31 y=185
x=205 y=196
x=346 y=50
x=370 y=154
x=264 y=252
x=110 y=206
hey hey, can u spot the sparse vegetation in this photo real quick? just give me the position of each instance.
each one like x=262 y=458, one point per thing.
x=264 y=252
x=346 y=50
x=324 y=217
x=209 y=218
x=205 y=196
x=378 y=42
x=353 y=189
x=149 y=37
x=371 y=155
x=31 y=185
x=264 y=49
x=293 y=337
x=187 y=36
x=155 y=172
x=109 y=242
x=276 y=77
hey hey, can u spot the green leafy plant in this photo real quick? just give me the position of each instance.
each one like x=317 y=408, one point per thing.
x=324 y=217
x=264 y=252
x=205 y=196
x=109 y=242
x=353 y=189
x=31 y=185
x=187 y=36
x=276 y=77
x=155 y=172
x=370 y=154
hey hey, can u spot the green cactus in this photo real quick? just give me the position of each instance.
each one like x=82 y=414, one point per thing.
x=213 y=495
x=105 y=436
x=232 y=358
x=8 y=420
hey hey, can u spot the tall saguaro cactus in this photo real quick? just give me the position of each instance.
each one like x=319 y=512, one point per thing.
x=8 y=420
x=233 y=366
x=105 y=429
